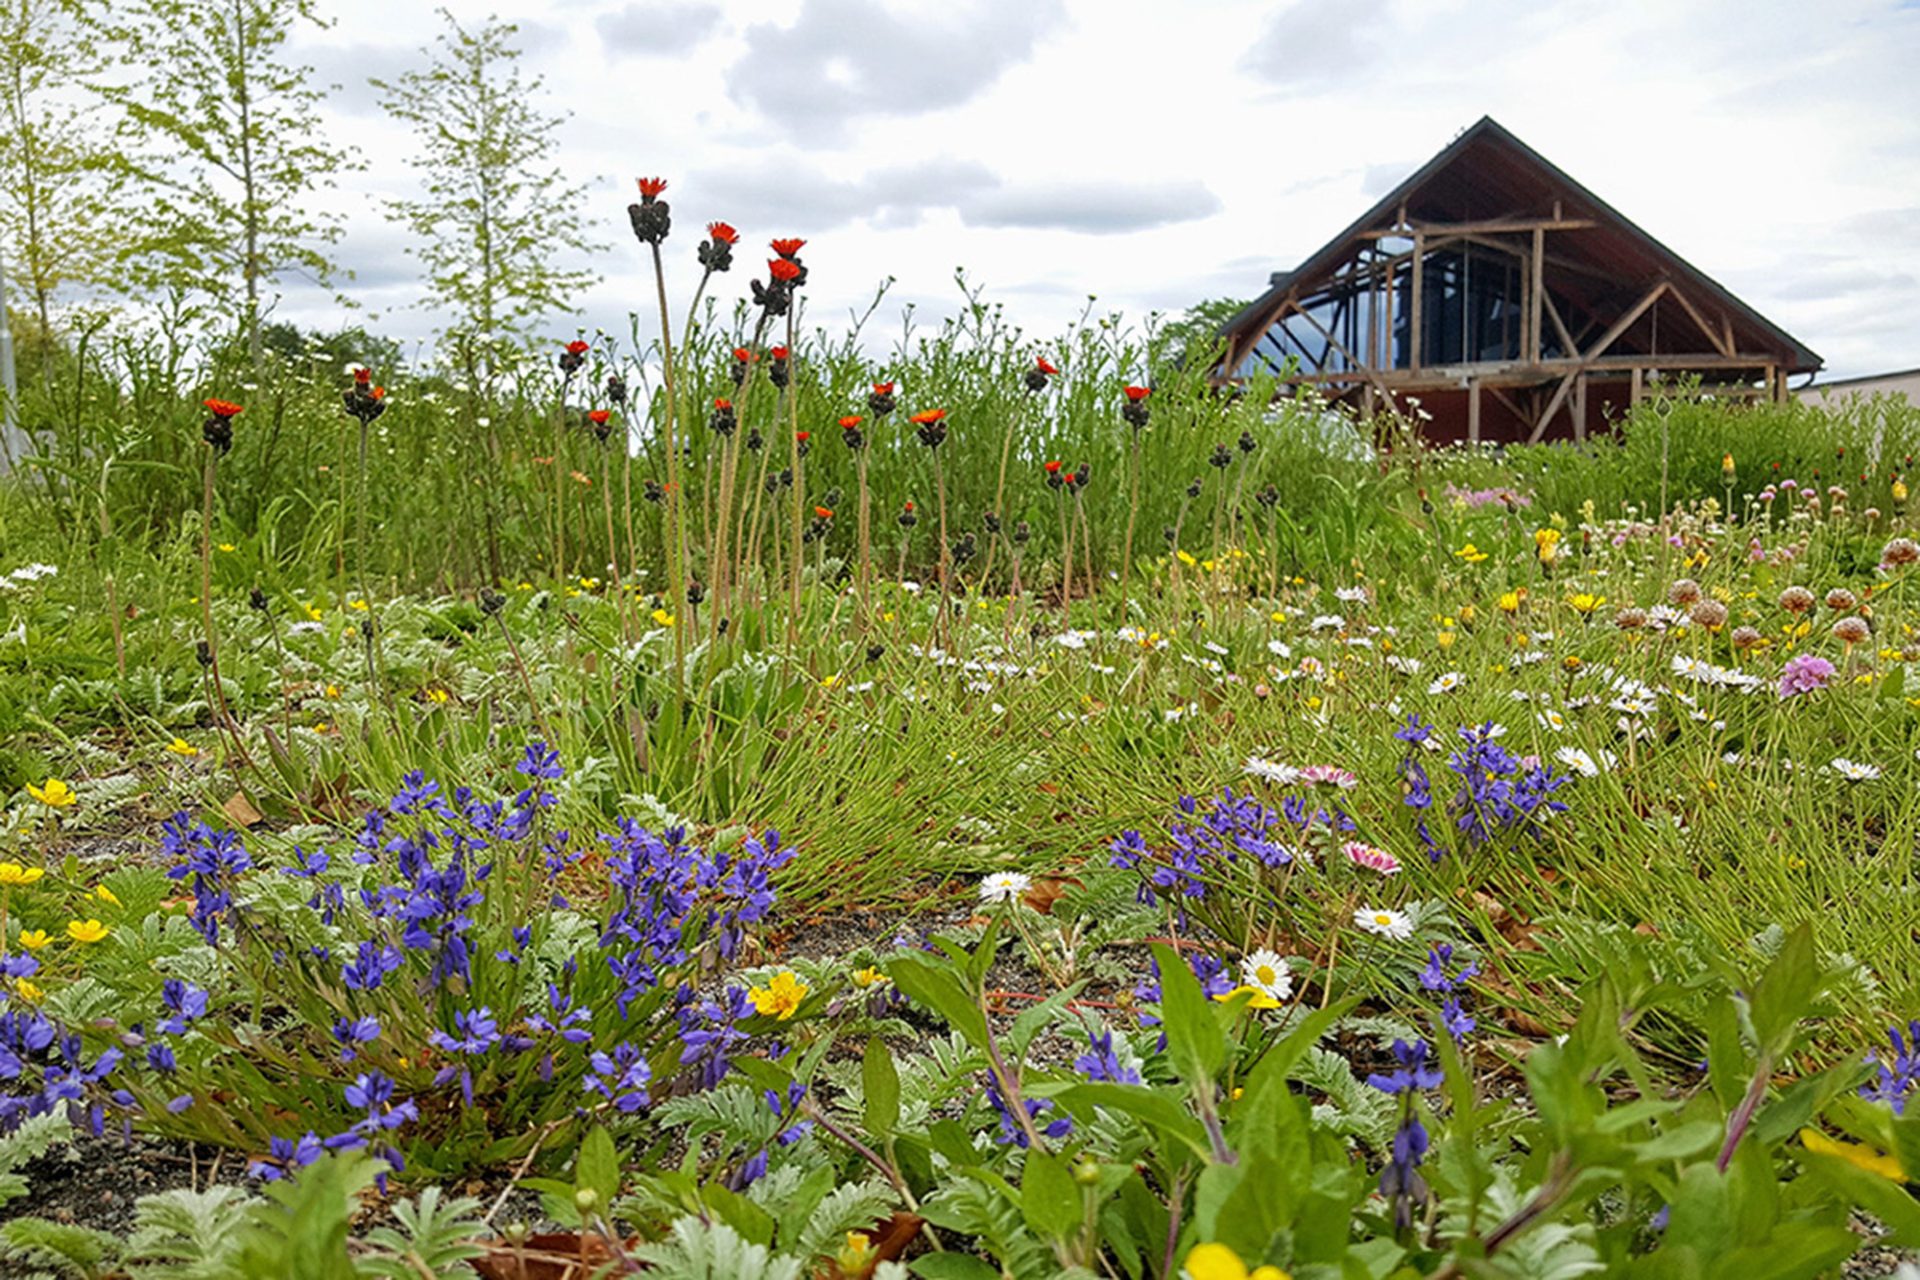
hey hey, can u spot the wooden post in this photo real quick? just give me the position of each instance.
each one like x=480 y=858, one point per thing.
x=1637 y=389
x=1538 y=292
x=1580 y=407
x=1473 y=411
x=1419 y=302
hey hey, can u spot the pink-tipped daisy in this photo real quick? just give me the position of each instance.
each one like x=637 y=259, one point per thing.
x=1329 y=775
x=1365 y=855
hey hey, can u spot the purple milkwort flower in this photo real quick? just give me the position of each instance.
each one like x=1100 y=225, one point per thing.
x=539 y=761
x=160 y=1058
x=1435 y=976
x=284 y=1155
x=308 y=866
x=370 y=966
x=1400 y=1181
x=418 y=795
x=745 y=884
x=620 y=1077
x=1012 y=1134
x=1454 y=1018
x=569 y=1023
x=1899 y=1074
x=183 y=1002
x=1414 y=1071
x=352 y=1031
x=786 y=1108
x=215 y=859
x=1101 y=1063
x=708 y=1034
x=1804 y=673
x=477 y=1031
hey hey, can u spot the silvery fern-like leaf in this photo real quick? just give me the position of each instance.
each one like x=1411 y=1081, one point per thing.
x=435 y=1234
x=185 y=1234
x=851 y=1207
x=697 y=1251
x=1352 y=1106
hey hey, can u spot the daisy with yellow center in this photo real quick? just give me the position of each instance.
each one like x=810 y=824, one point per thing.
x=781 y=996
x=1384 y=922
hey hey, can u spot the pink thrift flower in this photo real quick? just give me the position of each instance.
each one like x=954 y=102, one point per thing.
x=1805 y=673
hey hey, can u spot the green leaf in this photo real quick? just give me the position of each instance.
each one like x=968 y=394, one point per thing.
x=597 y=1167
x=1196 y=1041
x=1169 y=1119
x=952 y=1266
x=935 y=986
x=880 y=1083
x=1050 y=1199
x=1784 y=993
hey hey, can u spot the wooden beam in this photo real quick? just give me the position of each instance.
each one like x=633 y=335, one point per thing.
x=1553 y=407
x=1487 y=226
x=1419 y=303
x=1538 y=266
x=1567 y=344
x=1720 y=341
x=1637 y=387
x=1624 y=323
x=1473 y=411
x=1580 y=407
x=1370 y=375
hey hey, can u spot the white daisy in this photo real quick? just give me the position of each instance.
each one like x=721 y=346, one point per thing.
x=1578 y=760
x=1005 y=886
x=1327 y=622
x=1212 y=647
x=1071 y=640
x=1273 y=771
x=1446 y=682
x=1266 y=972
x=1388 y=923
x=1404 y=665
x=1854 y=771
x=1351 y=595
x=1279 y=648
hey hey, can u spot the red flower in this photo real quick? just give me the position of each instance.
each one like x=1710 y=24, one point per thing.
x=851 y=421
x=787 y=248
x=723 y=404
x=1053 y=468
x=363 y=375
x=825 y=513
x=223 y=408
x=927 y=416
x=778 y=353
x=883 y=388
x=909 y=506
x=1137 y=394
x=803 y=436
x=783 y=269
x=723 y=232
x=379 y=393
x=1044 y=365
x=651 y=187
x=577 y=348
x=599 y=417
x=744 y=356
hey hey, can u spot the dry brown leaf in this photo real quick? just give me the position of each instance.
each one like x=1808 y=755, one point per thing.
x=240 y=811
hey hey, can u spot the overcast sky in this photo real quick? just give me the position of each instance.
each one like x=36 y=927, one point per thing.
x=1158 y=153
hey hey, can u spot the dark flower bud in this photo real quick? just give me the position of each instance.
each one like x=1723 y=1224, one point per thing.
x=755 y=441
x=724 y=624
x=1247 y=443
x=218 y=432
x=1022 y=532
x=203 y=651
x=258 y=599
x=716 y=251
x=722 y=420
x=931 y=426
x=1268 y=497
x=963 y=549
x=786 y=477
x=574 y=357
x=1169 y=533
x=990 y=522
x=880 y=401
x=1222 y=457
x=1084 y=474
x=875 y=651
x=802 y=442
x=652 y=491
x=651 y=218
x=695 y=592
x=778 y=372
x=908 y=518
x=491 y=602
x=1193 y=489
x=617 y=390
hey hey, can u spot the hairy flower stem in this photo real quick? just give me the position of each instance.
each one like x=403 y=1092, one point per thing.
x=1133 y=511
x=940 y=493
x=559 y=482
x=370 y=631
x=1000 y=488
x=613 y=547
x=676 y=524
x=1066 y=566
x=526 y=682
x=1743 y=1113
x=863 y=583
x=206 y=611
x=799 y=487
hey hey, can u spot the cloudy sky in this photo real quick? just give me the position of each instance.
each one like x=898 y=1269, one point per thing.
x=1154 y=154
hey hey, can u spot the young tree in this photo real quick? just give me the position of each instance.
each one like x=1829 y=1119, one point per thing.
x=497 y=217
x=55 y=230
x=236 y=132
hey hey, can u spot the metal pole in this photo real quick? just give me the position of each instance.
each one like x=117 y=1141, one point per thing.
x=11 y=440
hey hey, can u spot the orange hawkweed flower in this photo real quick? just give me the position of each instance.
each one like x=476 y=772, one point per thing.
x=379 y=393
x=363 y=375
x=599 y=417
x=1137 y=394
x=783 y=269
x=787 y=248
x=909 y=506
x=883 y=388
x=744 y=356
x=803 y=436
x=722 y=404
x=851 y=421
x=1053 y=468
x=723 y=232
x=778 y=353
x=223 y=408
x=651 y=187
x=825 y=513
x=927 y=416
x=1044 y=365
x=577 y=348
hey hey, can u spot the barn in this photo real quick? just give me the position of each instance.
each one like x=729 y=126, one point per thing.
x=1490 y=297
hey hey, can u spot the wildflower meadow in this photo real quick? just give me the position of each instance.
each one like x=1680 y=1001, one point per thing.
x=742 y=797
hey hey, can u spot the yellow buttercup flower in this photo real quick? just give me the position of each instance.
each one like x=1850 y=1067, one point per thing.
x=86 y=930
x=34 y=939
x=436 y=695
x=181 y=747
x=1854 y=1153
x=28 y=991
x=781 y=996
x=1185 y=557
x=105 y=895
x=54 y=794
x=1218 y=1262
x=1471 y=554
x=226 y=546
x=662 y=617
x=869 y=977
x=359 y=605
x=14 y=873
x=315 y=613
x=1256 y=999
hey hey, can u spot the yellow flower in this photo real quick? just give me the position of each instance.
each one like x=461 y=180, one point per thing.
x=181 y=747
x=226 y=546
x=315 y=613
x=361 y=605
x=34 y=939
x=1545 y=537
x=1509 y=602
x=28 y=992
x=662 y=617
x=333 y=690
x=1446 y=638
x=1899 y=490
x=781 y=996
x=1313 y=703
x=86 y=930
x=1185 y=557
x=105 y=895
x=1256 y=999
x=1471 y=554
x=1585 y=602
x=436 y=695
x=1854 y=1153
x=54 y=794
x=14 y=873
x=869 y=977
x=829 y=680
x=1218 y=1262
